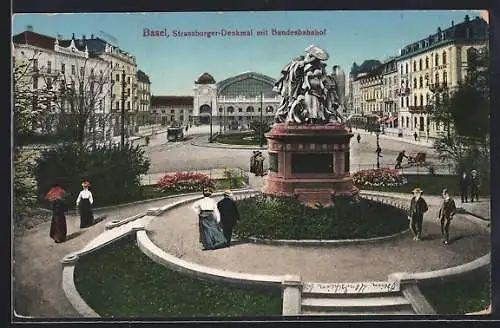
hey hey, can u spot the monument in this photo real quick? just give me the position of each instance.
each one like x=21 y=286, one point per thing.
x=309 y=144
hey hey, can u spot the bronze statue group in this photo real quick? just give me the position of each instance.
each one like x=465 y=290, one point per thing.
x=84 y=203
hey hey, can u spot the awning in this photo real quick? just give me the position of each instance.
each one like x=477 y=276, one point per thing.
x=391 y=119
x=382 y=119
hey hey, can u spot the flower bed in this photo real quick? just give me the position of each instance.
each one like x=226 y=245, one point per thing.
x=379 y=178
x=185 y=182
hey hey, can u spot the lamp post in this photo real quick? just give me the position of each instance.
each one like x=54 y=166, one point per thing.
x=261 y=128
x=379 y=150
x=211 y=109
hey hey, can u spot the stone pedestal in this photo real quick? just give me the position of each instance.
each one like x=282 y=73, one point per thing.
x=310 y=162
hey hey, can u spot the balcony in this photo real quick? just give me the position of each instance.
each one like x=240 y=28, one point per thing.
x=438 y=87
x=420 y=109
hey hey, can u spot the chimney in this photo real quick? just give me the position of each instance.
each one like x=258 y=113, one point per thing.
x=73 y=37
x=92 y=36
x=452 y=23
x=29 y=28
x=59 y=37
x=467 y=18
x=84 y=37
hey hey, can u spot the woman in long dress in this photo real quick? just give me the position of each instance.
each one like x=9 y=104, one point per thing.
x=211 y=233
x=58 y=229
x=84 y=203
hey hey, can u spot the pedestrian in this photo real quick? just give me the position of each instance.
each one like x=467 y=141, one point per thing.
x=211 y=233
x=399 y=159
x=465 y=185
x=259 y=164
x=415 y=135
x=228 y=215
x=418 y=206
x=58 y=228
x=379 y=151
x=84 y=203
x=147 y=140
x=252 y=161
x=474 y=186
x=446 y=213
x=358 y=137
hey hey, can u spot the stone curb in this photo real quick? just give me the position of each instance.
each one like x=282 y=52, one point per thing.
x=199 y=271
x=76 y=300
x=313 y=242
x=226 y=146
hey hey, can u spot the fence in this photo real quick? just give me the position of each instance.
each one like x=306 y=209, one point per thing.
x=438 y=169
x=213 y=173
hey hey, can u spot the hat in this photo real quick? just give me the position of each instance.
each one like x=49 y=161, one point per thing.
x=417 y=190
x=85 y=184
x=317 y=52
x=228 y=193
x=473 y=171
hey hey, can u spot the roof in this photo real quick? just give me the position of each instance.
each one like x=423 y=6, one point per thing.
x=142 y=77
x=243 y=76
x=205 y=78
x=157 y=101
x=43 y=41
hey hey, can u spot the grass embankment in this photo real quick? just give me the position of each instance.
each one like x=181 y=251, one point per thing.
x=120 y=281
x=470 y=294
x=242 y=139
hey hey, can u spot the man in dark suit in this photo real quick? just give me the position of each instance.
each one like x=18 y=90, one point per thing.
x=446 y=213
x=474 y=186
x=464 y=186
x=418 y=207
x=229 y=215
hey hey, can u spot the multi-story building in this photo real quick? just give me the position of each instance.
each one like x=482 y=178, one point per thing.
x=356 y=100
x=144 y=98
x=234 y=101
x=371 y=86
x=390 y=93
x=124 y=78
x=436 y=61
x=166 y=110
x=55 y=65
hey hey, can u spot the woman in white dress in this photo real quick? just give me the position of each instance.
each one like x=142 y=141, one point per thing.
x=84 y=203
x=211 y=233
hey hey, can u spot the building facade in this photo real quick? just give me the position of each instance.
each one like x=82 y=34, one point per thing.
x=143 y=99
x=166 y=110
x=439 y=60
x=57 y=64
x=235 y=101
x=390 y=93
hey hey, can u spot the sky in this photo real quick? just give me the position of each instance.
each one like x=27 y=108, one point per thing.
x=173 y=64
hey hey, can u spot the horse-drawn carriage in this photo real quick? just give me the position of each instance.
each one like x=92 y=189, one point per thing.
x=417 y=159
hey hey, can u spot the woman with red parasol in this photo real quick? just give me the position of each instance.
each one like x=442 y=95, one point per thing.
x=58 y=227
x=84 y=203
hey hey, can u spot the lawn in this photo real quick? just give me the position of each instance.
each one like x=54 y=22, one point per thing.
x=120 y=281
x=430 y=184
x=470 y=294
x=239 y=139
x=267 y=217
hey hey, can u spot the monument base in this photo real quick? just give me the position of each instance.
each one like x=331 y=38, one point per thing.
x=309 y=162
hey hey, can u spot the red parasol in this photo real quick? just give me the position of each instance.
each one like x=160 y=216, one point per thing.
x=55 y=193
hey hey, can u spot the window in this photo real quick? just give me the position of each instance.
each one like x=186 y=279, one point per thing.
x=128 y=104
x=172 y=111
x=414 y=83
x=407 y=122
x=445 y=77
x=128 y=92
x=444 y=57
x=49 y=67
x=421 y=82
x=421 y=100
x=172 y=118
x=35 y=64
x=415 y=100
x=436 y=60
x=35 y=82
x=63 y=68
x=426 y=62
x=117 y=78
x=420 y=64
x=82 y=71
x=128 y=79
x=402 y=102
x=427 y=99
x=406 y=68
x=437 y=78
x=181 y=118
x=414 y=65
x=117 y=105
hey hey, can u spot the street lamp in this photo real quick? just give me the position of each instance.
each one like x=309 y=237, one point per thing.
x=211 y=109
x=379 y=150
x=261 y=128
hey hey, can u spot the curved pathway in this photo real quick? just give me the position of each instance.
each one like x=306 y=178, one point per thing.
x=176 y=232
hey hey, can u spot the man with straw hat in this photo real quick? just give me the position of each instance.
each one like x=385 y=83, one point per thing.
x=228 y=214
x=418 y=207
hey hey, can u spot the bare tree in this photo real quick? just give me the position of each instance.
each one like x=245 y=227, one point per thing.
x=78 y=97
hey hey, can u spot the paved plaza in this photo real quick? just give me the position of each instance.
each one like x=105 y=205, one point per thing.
x=38 y=269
